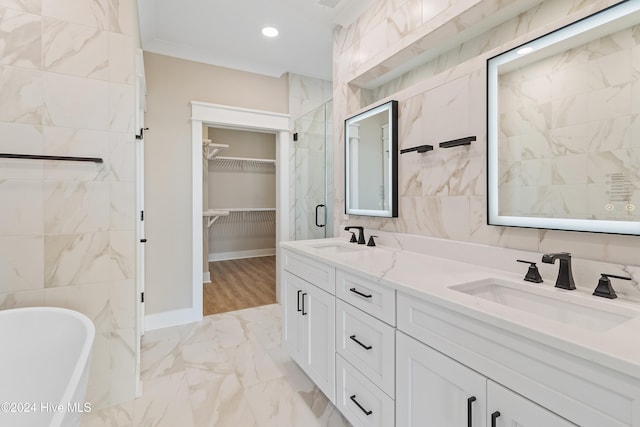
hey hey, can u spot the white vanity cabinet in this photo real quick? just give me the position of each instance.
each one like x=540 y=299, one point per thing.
x=360 y=400
x=308 y=323
x=365 y=345
x=433 y=389
x=368 y=344
x=527 y=382
x=386 y=353
x=372 y=298
x=506 y=408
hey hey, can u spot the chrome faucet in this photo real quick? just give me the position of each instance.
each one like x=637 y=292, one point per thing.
x=360 y=233
x=565 y=277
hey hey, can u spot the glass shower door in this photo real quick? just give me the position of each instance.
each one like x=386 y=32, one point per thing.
x=313 y=174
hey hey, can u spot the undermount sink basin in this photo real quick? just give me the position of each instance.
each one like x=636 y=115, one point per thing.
x=561 y=306
x=337 y=247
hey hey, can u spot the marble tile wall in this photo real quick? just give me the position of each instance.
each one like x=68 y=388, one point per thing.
x=67 y=230
x=443 y=192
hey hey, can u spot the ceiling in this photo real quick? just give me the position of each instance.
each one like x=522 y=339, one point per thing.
x=227 y=33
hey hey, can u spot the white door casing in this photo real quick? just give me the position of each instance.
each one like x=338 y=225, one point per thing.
x=225 y=116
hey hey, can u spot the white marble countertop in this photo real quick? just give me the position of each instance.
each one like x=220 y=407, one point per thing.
x=430 y=278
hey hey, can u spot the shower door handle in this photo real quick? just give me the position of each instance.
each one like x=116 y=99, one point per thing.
x=318 y=207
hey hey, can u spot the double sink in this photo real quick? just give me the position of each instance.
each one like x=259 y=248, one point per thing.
x=565 y=307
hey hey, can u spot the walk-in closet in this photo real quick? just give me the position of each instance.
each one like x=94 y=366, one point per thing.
x=239 y=216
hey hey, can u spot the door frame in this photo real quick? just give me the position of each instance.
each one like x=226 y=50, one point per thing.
x=140 y=108
x=225 y=116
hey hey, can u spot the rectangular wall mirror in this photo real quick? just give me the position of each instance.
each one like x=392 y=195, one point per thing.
x=563 y=127
x=371 y=162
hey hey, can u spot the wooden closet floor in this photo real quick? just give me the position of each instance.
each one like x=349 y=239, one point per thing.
x=240 y=283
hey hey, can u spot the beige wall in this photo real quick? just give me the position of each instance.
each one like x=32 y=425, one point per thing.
x=443 y=192
x=67 y=229
x=171 y=84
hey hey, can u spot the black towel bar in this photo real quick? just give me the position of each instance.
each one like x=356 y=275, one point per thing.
x=43 y=157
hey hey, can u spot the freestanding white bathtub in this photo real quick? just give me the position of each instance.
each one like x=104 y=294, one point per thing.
x=44 y=366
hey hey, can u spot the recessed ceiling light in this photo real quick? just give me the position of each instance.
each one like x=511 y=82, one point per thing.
x=524 y=50
x=270 y=32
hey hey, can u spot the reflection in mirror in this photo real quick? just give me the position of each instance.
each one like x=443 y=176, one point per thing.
x=563 y=127
x=371 y=162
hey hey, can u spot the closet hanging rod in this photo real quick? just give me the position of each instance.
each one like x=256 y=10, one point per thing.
x=250 y=209
x=43 y=157
x=245 y=159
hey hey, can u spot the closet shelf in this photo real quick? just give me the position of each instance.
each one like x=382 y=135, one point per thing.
x=234 y=214
x=212 y=150
x=213 y=214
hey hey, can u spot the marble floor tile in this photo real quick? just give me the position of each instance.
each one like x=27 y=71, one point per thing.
x=252 y=364
x=276 y=404
x=165 y=402
x=217 y=399
x=290 y=369
x=229 y=370
x=113 y=416
x=326 y=414
x=161 y=358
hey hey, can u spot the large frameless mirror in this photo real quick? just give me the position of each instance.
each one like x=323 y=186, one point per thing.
x=371 y=162
x=563 y=127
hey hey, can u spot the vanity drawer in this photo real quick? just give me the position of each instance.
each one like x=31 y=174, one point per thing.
x=368 y=344
x=372 y=298
x=359 y=400
x=317 y=273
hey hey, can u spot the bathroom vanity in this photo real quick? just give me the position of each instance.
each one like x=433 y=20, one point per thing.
x=453 y=336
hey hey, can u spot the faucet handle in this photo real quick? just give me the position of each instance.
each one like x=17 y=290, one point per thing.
x=604 y=288
x=371 y=242
x=533 y=275
x=353 y=237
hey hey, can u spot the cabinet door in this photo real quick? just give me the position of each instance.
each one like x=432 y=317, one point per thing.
x=435 y=390
x=319 y=312
x=506 y=409
x=292 y=320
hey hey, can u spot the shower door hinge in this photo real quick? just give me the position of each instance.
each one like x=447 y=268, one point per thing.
x=142 y=297
x=141 y=215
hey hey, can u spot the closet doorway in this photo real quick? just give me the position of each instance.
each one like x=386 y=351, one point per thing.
x=228 y=117
x=313 y=173
x=239 y=191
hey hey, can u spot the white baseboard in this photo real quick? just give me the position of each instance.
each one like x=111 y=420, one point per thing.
x=206 y=277
x=171 y=318
x=222 y=256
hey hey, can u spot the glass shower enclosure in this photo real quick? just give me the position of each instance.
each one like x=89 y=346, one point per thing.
x=313 y=174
